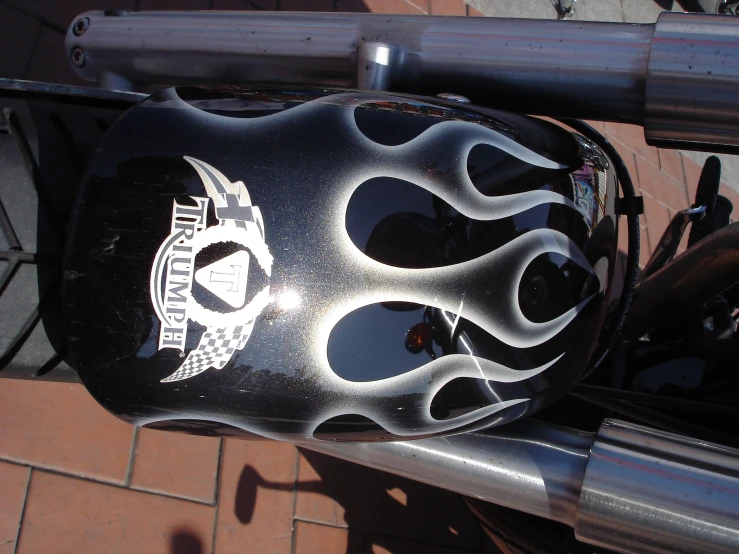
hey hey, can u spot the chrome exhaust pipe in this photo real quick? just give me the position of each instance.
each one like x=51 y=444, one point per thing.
x=628 y=488
x=650 y=491
x=678 y=77
x=530 y=466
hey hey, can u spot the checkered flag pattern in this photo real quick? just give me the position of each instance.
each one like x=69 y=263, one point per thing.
x=216 y=347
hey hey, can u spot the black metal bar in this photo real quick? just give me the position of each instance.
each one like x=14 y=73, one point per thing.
x=7 y=275
x=703 y=271
x=656 y=419
x=30 y=257
x=7 y=229
x=655 y=400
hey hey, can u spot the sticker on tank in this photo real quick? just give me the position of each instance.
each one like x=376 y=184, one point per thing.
x=174 y=270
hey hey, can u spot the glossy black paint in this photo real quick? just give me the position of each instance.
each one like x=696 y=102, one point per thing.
x=125 y=212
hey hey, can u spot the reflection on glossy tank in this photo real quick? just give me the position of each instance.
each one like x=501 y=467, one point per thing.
x=336 y=265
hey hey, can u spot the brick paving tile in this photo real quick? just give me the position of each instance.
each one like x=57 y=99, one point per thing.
x=597 y=125
x=151 y=5
x=658 y=217
x=340 y=493
x=182 y=465
x=422 y=6
x=256 y=497
x=449 y=521
x=321 y=539
x=692 y=175
x=448 y=7
x=13 y=483
x=661 y=186
x=64 y=514
x=49 y=61
x=629 y=158
x=18 y=34
x=670 y=162
x=377 y=6
x=60 y=426
x=642 y=217
x=633 y=135
x=313 y=497
x=645 y=251
x=306 y=5
x=60 y=13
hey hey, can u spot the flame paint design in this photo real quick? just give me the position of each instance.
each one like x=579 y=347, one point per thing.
x=333 y=294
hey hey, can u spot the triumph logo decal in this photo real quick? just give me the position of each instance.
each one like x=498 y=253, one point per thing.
x=174 y=270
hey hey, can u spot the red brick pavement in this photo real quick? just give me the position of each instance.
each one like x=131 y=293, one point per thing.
x=667 y=180
x=75 y=479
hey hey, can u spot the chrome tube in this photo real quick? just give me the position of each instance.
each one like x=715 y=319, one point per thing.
x=529 y=466
x=649 y=491
x=691 y=94
x=584 y=69
x=677 y=77
x=628 y=489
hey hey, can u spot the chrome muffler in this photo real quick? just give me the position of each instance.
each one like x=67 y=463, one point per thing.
x=627 y=488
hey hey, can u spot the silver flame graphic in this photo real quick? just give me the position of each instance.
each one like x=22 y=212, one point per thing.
x=343 y=279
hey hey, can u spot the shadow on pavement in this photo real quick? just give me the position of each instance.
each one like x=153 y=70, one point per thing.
x=184 y=541
x=378 y=509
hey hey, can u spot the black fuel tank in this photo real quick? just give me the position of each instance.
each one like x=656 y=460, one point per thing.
x=336 y=265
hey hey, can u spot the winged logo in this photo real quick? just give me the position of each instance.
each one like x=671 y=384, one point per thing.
x=174 y=271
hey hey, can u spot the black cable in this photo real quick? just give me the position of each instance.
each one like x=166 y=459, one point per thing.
x=655 y=400
x=632 y=222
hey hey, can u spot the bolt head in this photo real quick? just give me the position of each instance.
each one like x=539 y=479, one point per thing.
x=80 y=26
x=78 y=56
